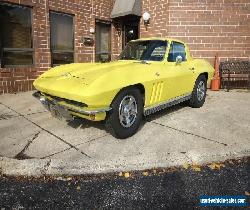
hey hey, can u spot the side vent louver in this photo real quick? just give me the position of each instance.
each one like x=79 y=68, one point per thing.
x=156 y=92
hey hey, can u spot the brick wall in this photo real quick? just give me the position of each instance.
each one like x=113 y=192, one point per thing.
x=208 y=26
x=85 y=12
x=159 y=21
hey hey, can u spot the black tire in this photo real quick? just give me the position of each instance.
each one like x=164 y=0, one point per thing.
x=196 y=100
x=113 y=123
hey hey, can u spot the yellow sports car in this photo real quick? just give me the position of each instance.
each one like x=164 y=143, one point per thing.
x=150 y=75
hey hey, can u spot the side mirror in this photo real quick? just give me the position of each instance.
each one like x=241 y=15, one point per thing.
x=178 y=59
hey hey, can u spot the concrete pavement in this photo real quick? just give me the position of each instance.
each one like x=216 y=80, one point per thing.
x=32 y=142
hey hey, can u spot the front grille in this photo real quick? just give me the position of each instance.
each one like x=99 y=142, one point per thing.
x=70 y=102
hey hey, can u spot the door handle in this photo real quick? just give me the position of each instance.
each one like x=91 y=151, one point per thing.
x=191 y=68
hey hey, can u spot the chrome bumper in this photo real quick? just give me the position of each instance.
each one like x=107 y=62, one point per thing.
x=48 y=103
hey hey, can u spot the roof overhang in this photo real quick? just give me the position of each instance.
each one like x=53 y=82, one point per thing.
x=126 y=7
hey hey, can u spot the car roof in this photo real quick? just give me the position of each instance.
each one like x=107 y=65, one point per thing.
x=158 y=38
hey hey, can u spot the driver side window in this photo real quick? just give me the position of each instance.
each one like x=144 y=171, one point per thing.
x=177 y=49
x=158 y=53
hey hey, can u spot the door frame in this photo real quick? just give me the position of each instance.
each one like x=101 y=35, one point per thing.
x=129 y=20
x=107 y=23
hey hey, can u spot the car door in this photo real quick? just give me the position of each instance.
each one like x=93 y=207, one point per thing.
x=155 y=69
x=178 y=76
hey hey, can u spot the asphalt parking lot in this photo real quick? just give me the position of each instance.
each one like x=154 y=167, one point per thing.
x=32 y=142
x=159 y=189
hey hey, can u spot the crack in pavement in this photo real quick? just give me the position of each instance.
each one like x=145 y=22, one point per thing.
x=6 y=116
x=56 y=153
x=189 y=158
x=36 y=113
x=94 y=139
x=46 y=167
x=91 y=140
x=47 y=131
x=21 y=155
x=189 y=133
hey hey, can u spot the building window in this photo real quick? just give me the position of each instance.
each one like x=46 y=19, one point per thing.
x=62 y=38
x=103 y=42
x=16 y=46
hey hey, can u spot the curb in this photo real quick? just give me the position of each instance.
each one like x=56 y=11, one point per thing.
x=56 y=167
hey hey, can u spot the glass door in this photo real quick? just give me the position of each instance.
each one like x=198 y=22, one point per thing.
x=130 y=29
x=103 y=42
x=131 y=32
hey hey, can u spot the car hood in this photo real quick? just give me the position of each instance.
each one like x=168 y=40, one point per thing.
x=85 y=72
x=70 y=81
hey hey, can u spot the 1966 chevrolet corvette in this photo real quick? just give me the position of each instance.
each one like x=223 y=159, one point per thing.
x=150 y=75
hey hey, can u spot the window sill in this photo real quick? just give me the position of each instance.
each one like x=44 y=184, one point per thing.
x=17 y=66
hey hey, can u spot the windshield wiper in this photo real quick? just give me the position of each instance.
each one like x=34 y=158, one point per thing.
x=127 y=58
x=143 y=62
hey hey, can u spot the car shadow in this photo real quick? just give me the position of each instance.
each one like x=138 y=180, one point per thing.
x=168 y=111
x=83 y=123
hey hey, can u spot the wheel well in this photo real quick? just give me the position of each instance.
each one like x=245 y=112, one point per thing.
x=205 y=74
x=138 y=86
x=141 y=88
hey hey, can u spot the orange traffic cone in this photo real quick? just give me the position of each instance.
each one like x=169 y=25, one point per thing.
x=215 y=83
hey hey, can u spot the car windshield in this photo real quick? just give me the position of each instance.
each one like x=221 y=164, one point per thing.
x=150 y=50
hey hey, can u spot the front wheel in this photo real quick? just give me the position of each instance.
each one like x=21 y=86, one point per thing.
x=199 y=92
x=125 y=117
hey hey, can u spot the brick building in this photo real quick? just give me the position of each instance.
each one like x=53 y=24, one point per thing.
x=38 y=34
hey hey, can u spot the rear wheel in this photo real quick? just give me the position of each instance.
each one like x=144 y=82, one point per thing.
x=199 y=92
x=125 y=117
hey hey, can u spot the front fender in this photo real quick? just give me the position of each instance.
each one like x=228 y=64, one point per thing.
x=104 y=89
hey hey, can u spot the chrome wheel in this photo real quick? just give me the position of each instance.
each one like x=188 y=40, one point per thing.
x=201 y=90
x=127 y=111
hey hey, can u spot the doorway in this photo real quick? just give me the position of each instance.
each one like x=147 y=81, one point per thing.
x=130 y=30
x=103 y=42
